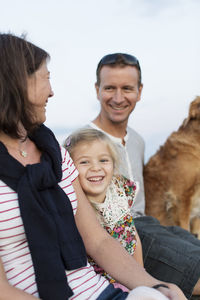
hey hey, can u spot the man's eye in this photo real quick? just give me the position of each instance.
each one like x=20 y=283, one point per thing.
x=128 y=88
x=104 y=160
x=108 y=88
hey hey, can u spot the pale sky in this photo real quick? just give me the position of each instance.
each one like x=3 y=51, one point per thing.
x=163 y=34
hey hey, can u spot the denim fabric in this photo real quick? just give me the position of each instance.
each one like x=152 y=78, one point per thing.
x=112 y=293
x=170 y=254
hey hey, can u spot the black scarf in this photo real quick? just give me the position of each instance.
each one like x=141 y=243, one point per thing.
x=54 y=241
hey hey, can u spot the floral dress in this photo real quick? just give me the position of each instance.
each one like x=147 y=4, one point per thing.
x=114 y=214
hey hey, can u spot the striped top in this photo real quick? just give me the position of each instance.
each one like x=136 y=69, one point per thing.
x=14 y=249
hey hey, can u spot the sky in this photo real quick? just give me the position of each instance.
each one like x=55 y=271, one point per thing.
x=162 y=34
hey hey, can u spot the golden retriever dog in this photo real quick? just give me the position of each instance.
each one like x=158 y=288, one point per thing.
x=172 y=176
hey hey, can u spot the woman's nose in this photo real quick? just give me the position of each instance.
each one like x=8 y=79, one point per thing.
x=51 y=93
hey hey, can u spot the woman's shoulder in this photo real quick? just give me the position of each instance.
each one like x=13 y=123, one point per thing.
x=64 y=154
x=68 y=164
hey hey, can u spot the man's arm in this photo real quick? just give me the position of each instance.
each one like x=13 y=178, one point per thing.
x=108 y=252
x=9 y=292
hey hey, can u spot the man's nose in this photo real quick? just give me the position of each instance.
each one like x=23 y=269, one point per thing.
x=118 y=97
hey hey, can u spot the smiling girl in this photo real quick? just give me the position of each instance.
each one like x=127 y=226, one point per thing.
x=111 y=195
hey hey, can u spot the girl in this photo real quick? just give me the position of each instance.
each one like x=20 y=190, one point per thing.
x=111 y=195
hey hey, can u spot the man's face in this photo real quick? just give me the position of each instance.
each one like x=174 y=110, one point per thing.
x=118 y=92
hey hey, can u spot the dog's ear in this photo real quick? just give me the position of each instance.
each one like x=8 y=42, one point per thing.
x=194 y=111
x=185 y=122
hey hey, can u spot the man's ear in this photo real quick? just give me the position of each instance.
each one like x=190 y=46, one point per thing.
x=140 y=92
x=97 y=90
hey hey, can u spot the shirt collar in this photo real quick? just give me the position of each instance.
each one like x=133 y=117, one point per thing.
x=115 y=139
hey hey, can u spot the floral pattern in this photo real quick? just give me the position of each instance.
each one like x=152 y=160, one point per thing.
x=114 y=214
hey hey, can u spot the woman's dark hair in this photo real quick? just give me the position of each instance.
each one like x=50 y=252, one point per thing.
x=18 y=60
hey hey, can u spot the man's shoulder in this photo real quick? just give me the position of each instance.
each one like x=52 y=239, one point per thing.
x=132 y=134
x=87 y=125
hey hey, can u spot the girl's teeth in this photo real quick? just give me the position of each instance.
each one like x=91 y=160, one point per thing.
x=95 y=179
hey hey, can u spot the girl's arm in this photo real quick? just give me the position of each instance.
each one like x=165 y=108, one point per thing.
x=108 y=253
x=8 y=292
x=138 y=255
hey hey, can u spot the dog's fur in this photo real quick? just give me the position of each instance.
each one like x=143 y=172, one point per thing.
x=172 y=176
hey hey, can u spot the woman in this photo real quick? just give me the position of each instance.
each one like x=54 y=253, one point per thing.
x=42 y=253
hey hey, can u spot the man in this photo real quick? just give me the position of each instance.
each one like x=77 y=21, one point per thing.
x=170 y=253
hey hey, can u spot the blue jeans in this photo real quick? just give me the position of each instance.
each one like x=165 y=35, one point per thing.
x=111 y=293
x=170 y=253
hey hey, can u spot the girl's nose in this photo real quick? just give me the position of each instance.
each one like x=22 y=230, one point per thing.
x=95 y=166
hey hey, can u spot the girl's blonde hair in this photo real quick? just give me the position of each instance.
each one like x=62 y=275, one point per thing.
x=87 y=135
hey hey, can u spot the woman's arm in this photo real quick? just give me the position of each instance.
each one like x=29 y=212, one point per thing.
x=8 y=292
x=108 y=253
x=138 y=251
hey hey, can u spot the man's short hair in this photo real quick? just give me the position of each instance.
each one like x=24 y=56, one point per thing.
x=119 y=59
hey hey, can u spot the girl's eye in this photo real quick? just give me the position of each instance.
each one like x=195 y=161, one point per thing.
x=104 y=160
x=83 y=162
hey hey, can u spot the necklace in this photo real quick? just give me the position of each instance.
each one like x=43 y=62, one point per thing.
x=22 y=152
